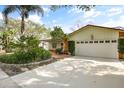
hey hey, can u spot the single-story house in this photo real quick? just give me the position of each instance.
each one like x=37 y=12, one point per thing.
x=48 y=44
x=97 y=41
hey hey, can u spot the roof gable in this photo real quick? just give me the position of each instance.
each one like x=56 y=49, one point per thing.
x=87 y=26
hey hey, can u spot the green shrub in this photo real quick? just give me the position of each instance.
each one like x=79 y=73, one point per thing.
x=8 y=59
x=22 y=57
x=27 y=50
x=25 y=43
x=46 y=55
x=59 y=50
x=71 y=47
x=121 y=45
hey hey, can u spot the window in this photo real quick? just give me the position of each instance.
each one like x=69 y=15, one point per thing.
x=114 y=41
x=82 y=42
x=78 y=42
x=95 y=41
x=101 y=41
x=107 y=41
x=61 y=45
x=86 y=41
x=54 y=45
x=91 y=42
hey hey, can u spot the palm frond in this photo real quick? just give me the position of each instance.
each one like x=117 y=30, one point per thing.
x=55 y=7
x=85 y=7
x=35 y=9
x=7 y=10
x=82 y=7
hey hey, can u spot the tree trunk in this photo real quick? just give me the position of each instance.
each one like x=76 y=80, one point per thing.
x=65 y=46
x=22 y=25
x=4 y=43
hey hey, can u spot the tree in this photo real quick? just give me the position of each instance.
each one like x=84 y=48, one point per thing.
x=11 y=34
x=23 y=10
x=6 y=38
x=35 y=29
x=57 y=35
x=65 y=44
x=7 y=33
x=82 y=7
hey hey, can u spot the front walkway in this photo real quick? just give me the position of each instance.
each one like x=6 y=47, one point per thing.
x=59 y=56
x=71 y=72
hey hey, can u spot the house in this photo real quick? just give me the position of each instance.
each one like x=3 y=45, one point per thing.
x=97 y=41
x=47 y=43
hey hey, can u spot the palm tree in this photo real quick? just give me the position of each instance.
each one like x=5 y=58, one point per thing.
x=23 y=10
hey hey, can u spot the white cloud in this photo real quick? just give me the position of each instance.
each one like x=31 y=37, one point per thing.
x=35 y=19
x=67 y=29
x=46 y=9
x=121 y=17
x=54 y=21
x=18 y=18
x=1 y=16
x=92 y=13
x=60 y=25
x=75 y=11
x=89 y=20
x=114 y=11
x=115 y=23
x=71 y=27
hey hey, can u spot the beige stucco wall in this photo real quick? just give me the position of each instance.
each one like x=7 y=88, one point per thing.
x=98 y=33
x=106 y=50
x=58 y=45
x=48 y=45
x=44 y=44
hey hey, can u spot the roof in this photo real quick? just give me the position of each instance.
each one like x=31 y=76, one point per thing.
x=50 y=40
x=95 y=26
x=47 y=40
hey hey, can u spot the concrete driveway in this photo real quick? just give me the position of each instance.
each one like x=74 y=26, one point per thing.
x=73 y=72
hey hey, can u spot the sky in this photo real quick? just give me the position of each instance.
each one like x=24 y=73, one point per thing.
x=71 y=19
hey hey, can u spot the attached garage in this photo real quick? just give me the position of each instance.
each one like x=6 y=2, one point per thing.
x=107 y=48
x=96 y=41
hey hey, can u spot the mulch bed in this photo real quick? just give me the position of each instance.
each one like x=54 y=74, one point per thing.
x=11 y=71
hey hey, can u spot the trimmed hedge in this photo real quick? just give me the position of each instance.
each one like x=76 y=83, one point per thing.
x=121 y=45
x=71 y=47
x=22 y=57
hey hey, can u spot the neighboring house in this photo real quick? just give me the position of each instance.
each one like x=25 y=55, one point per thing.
x=48 y=44
x=97 y=41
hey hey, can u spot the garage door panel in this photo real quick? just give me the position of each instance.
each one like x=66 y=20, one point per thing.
x=107 y=50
